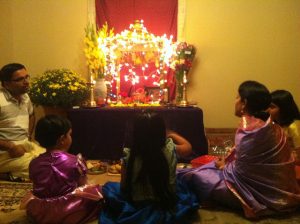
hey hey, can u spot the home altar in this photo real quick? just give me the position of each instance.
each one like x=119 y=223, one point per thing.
x=102 y=133
x=137 y=65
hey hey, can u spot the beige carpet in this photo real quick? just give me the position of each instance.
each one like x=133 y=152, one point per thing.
x=11 y=194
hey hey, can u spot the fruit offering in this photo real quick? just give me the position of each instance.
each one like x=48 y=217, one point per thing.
x=115 y=167
x=96 y=167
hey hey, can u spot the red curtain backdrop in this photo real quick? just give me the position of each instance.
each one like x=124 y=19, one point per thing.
x=159 y=16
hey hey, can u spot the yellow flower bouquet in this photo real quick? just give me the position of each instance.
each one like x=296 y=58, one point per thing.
x=59 y=88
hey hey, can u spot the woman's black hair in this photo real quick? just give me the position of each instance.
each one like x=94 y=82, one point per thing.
x=288 y=110
x=148 y=142
x=8 y=70
x=50 y=128
x=257 y=98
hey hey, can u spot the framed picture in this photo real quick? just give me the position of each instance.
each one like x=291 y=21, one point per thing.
x=153 y=92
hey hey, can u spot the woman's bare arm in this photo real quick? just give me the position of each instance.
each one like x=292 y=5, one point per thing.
x=183 y=147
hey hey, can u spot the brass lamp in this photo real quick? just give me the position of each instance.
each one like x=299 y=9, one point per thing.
x=92 y=102
x=184 y=101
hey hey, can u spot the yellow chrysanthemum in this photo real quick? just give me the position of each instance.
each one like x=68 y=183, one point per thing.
x=59 y=87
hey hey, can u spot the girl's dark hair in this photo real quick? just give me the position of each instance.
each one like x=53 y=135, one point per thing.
x=8 y=70
x=148 y=141
x=287 y=106
x=257 y=97
x=49 y=129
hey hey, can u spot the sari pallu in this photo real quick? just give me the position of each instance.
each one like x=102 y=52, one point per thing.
x=262 y=174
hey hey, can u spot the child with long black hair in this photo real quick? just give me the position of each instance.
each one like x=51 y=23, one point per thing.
x=148 y=192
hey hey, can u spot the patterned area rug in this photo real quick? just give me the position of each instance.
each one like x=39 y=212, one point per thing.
x=11 y=193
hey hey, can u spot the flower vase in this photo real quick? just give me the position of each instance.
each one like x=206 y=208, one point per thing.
x=100 y=91
x=179 y=85
x=179 y=91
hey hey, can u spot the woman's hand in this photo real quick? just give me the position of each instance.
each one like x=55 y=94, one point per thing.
x=220 y=163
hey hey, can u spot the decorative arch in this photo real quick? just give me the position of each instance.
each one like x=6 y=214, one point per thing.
x=137 y=59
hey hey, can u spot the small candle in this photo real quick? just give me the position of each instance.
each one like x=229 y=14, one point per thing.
x=184 y=78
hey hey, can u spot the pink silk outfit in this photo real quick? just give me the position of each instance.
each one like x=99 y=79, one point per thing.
x=57 y=196
x=258 y=176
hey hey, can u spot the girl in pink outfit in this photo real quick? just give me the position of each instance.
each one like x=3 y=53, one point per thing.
x=60 y=191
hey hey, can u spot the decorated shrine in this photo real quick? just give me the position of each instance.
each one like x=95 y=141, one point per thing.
x=138 y=67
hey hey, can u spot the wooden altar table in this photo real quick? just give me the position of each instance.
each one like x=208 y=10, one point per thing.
x=101 y=133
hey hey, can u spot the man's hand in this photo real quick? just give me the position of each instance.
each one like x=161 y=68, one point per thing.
x=16 y=151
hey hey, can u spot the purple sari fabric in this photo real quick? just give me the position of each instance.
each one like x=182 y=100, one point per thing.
x=57 y=196
x=260 y=175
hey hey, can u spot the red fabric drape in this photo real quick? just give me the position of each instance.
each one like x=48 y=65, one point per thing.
x=159 y=16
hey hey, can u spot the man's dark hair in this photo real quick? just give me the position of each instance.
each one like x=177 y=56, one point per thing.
x=8 y=70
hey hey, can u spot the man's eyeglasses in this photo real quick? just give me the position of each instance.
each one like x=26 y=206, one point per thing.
x=21 y=79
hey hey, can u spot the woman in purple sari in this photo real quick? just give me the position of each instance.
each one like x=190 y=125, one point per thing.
x=60 y=193
x=258 y=175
